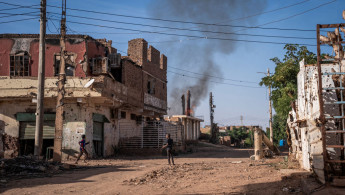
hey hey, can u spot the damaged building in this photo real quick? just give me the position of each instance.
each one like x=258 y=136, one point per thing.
x=110 y=98
x=304 y=125
x=316 y=124
x=191 y=124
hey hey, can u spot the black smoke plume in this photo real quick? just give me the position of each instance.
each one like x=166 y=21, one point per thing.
x=198 y=55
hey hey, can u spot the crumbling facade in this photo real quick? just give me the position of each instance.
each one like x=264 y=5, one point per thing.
x=106 y=96
x=191 y=126
x=304 y=130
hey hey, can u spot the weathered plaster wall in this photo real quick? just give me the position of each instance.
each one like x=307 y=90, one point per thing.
x=78 y=121
x=9 y=126
x=306 y=138
x=5 y=51
x=31 y=45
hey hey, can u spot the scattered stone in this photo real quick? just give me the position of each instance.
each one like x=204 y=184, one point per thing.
x=66 y=166
x=26 y=166
x=236 y=162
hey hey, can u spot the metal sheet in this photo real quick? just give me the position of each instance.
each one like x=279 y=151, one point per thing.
x=27 y=130
x=97 y=131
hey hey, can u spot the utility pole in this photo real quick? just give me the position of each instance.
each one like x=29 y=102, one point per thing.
x=270 y=107
x=40 y=88
x=241 y=120
x=214 y=133
x=61 y=89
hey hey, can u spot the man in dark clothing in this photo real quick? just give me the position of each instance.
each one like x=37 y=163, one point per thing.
x=82 y=145
x=169 y=146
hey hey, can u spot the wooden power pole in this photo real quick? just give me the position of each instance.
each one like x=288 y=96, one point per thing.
x=41 y=78
x=214 y=133
x=61 y=90
x=270 y=107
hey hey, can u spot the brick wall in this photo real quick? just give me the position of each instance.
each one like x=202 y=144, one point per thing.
x=153 y=64
x=132 y=79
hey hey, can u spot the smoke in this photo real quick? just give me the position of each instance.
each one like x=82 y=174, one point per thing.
x=199 y=55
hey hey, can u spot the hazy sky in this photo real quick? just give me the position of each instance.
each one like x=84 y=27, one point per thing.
x=242 y=63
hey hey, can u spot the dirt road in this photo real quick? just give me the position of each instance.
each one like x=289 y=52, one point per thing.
x=210 y=170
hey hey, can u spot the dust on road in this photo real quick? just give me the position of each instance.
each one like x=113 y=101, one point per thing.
x=212 y=169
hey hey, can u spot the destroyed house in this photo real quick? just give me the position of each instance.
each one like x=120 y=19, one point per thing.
x=108 y=97
x=304 y=124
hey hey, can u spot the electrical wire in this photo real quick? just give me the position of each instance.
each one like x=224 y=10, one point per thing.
x=266 y=12
x=7 y=15
x=212 y=76
x=184 y=35
x=188 y=76
x=298 y=14
x=19 y=20
x=185 y=29
x=186 y=22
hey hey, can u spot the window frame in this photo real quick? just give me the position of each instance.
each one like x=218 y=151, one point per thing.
x=57 y=66
x=13 y=64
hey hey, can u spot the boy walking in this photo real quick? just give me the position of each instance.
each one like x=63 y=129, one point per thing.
x=169 y=146
x=82 y=145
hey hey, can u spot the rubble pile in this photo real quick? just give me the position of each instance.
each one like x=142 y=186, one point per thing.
x=168 y=173
x=26 y=166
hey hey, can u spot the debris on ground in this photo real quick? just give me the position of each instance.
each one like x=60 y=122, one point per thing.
x=26 y=167
x=185 y=170
x=236 y=162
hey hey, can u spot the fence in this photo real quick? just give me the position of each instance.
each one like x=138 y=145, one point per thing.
x=148 y=134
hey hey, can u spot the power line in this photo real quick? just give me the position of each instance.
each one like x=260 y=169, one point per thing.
x=7 y=15
x=215 y=81
x=184 y=35
x=19 y=20
x=186 y=22
x=212 y=76
x=185 y=29
x=270 y=11
x=286 y=18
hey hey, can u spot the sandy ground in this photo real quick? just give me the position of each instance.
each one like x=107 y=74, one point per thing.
x=210 y=170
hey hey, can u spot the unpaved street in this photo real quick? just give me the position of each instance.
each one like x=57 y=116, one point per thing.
x=210 y=170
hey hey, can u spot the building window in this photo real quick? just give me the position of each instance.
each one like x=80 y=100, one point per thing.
x=69 y=64
x=133 y=117
x=151 y=86
x=20 y=64
x=123 y=115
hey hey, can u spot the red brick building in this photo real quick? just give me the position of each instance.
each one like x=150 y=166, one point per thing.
x=125 y=92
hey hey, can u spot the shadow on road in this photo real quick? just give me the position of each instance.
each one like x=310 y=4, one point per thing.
x=74 y=175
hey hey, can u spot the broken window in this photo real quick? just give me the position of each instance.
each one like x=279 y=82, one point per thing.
x=69 y=64
x=123 y=115
x=20 y=64
x=133 y=117
x=151 y=86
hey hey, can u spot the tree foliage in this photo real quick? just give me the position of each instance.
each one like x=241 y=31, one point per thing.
x=238 y=134
x=284 y=84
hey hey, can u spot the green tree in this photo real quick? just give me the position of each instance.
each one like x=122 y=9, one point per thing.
x=238 y=134
x=284 y=84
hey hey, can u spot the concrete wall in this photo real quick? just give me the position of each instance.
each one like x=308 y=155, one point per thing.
x=78 y=121
x=303 y=121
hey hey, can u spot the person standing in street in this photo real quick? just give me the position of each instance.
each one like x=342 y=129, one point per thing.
x=169 y=146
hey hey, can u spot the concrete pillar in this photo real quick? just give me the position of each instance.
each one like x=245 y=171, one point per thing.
x=258 y=144
x=197 y=129
x=187 y=129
